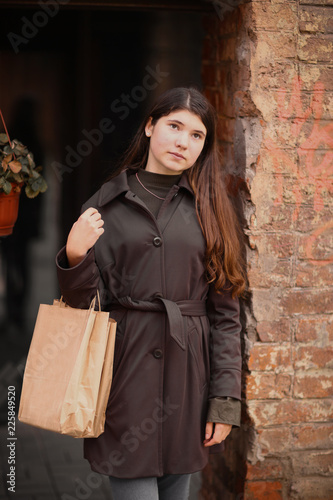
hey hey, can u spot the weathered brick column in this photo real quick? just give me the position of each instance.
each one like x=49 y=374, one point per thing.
x=268 y=67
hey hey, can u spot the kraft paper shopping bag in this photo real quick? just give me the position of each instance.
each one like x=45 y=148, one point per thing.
x=68 y=373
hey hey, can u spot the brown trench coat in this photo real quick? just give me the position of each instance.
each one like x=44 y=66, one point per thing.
x=178 y=341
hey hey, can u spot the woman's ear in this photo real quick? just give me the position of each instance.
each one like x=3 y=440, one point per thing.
x=149 y=127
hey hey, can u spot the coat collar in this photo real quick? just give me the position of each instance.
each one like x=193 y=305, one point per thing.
x=119 y=184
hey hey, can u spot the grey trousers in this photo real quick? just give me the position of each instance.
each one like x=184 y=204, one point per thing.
x=168 y=487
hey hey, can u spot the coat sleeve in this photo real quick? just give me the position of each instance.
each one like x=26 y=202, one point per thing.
x=225 y=411
x=78 y=284
x=225 y=347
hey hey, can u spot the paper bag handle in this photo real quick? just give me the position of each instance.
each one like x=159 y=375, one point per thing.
x=92 y=304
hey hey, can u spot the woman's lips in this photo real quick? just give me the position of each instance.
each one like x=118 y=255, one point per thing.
x=177 y=155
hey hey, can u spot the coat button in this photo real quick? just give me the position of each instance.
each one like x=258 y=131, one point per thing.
x=157 y=241
x=158 y=353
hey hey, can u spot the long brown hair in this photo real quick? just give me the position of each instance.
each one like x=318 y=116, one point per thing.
x=214 y=209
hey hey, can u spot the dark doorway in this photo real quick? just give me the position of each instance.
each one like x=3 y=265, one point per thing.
x=91 y=74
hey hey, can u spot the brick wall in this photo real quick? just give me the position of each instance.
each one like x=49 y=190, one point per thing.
x=268 y=68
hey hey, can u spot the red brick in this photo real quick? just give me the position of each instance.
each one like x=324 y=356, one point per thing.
x=298 y=191
x=289 y=411
x=315 y=133
x=268 y=385
x=244 y=104
x=266 y=357
x=274 y=331
x=306 y=110
x=310 y=219
x=315 y=328
x=278 y=245
x=308 y=301
x=314 y=48
x=312 y=463
x=274 y=17
x=312 y=167
x=230 y=20
x=210 y=74
x=311 y=384
x=262 y=490
x=279 y=44
x=311 y=73
x=270 y=468
x=313 y=436
x=312 y=357
x=240 y=76
x=209 y=49
x=227 y=49
x=226 y=105
x=307 y=273
x=226 y=129
x=311 y=488
x=267 y=272
x=317 y=2
x=212 y=96
x=275 y=217
x=315 y=20
x=275 y=440
x=318 y=246
x=275 y=74
x=281 y=133
x=273 y=160
x=266 y=304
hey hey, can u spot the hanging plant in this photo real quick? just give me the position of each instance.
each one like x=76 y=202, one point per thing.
x=18 y=168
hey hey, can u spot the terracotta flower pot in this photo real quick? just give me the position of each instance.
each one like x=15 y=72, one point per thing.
x=9 y=205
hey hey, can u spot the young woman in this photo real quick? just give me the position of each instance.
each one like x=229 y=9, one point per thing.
x=159 y=240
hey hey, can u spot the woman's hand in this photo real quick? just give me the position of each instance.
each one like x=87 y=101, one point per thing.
x=221 y=431
x=83 y=235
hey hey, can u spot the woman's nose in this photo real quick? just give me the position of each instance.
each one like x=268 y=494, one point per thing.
x=182 y=140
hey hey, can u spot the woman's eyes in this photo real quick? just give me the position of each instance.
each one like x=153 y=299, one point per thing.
x=175 y=126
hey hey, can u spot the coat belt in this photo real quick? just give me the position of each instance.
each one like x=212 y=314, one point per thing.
x=175 y=312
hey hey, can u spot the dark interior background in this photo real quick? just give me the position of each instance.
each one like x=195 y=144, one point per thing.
x=57 y=81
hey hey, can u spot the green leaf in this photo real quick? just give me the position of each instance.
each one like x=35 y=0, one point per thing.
x=35 y=186
x=3 y=139
x=24 y=161
x=19 y=148
x=16 y=177
x=35 y=175
x=5 y=186
x=30 y=192
x=44 y=186
x=31 y=160
x=25 y=169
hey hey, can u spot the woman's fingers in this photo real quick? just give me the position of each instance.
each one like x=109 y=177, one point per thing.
x=83 y=235
x=216 y=433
